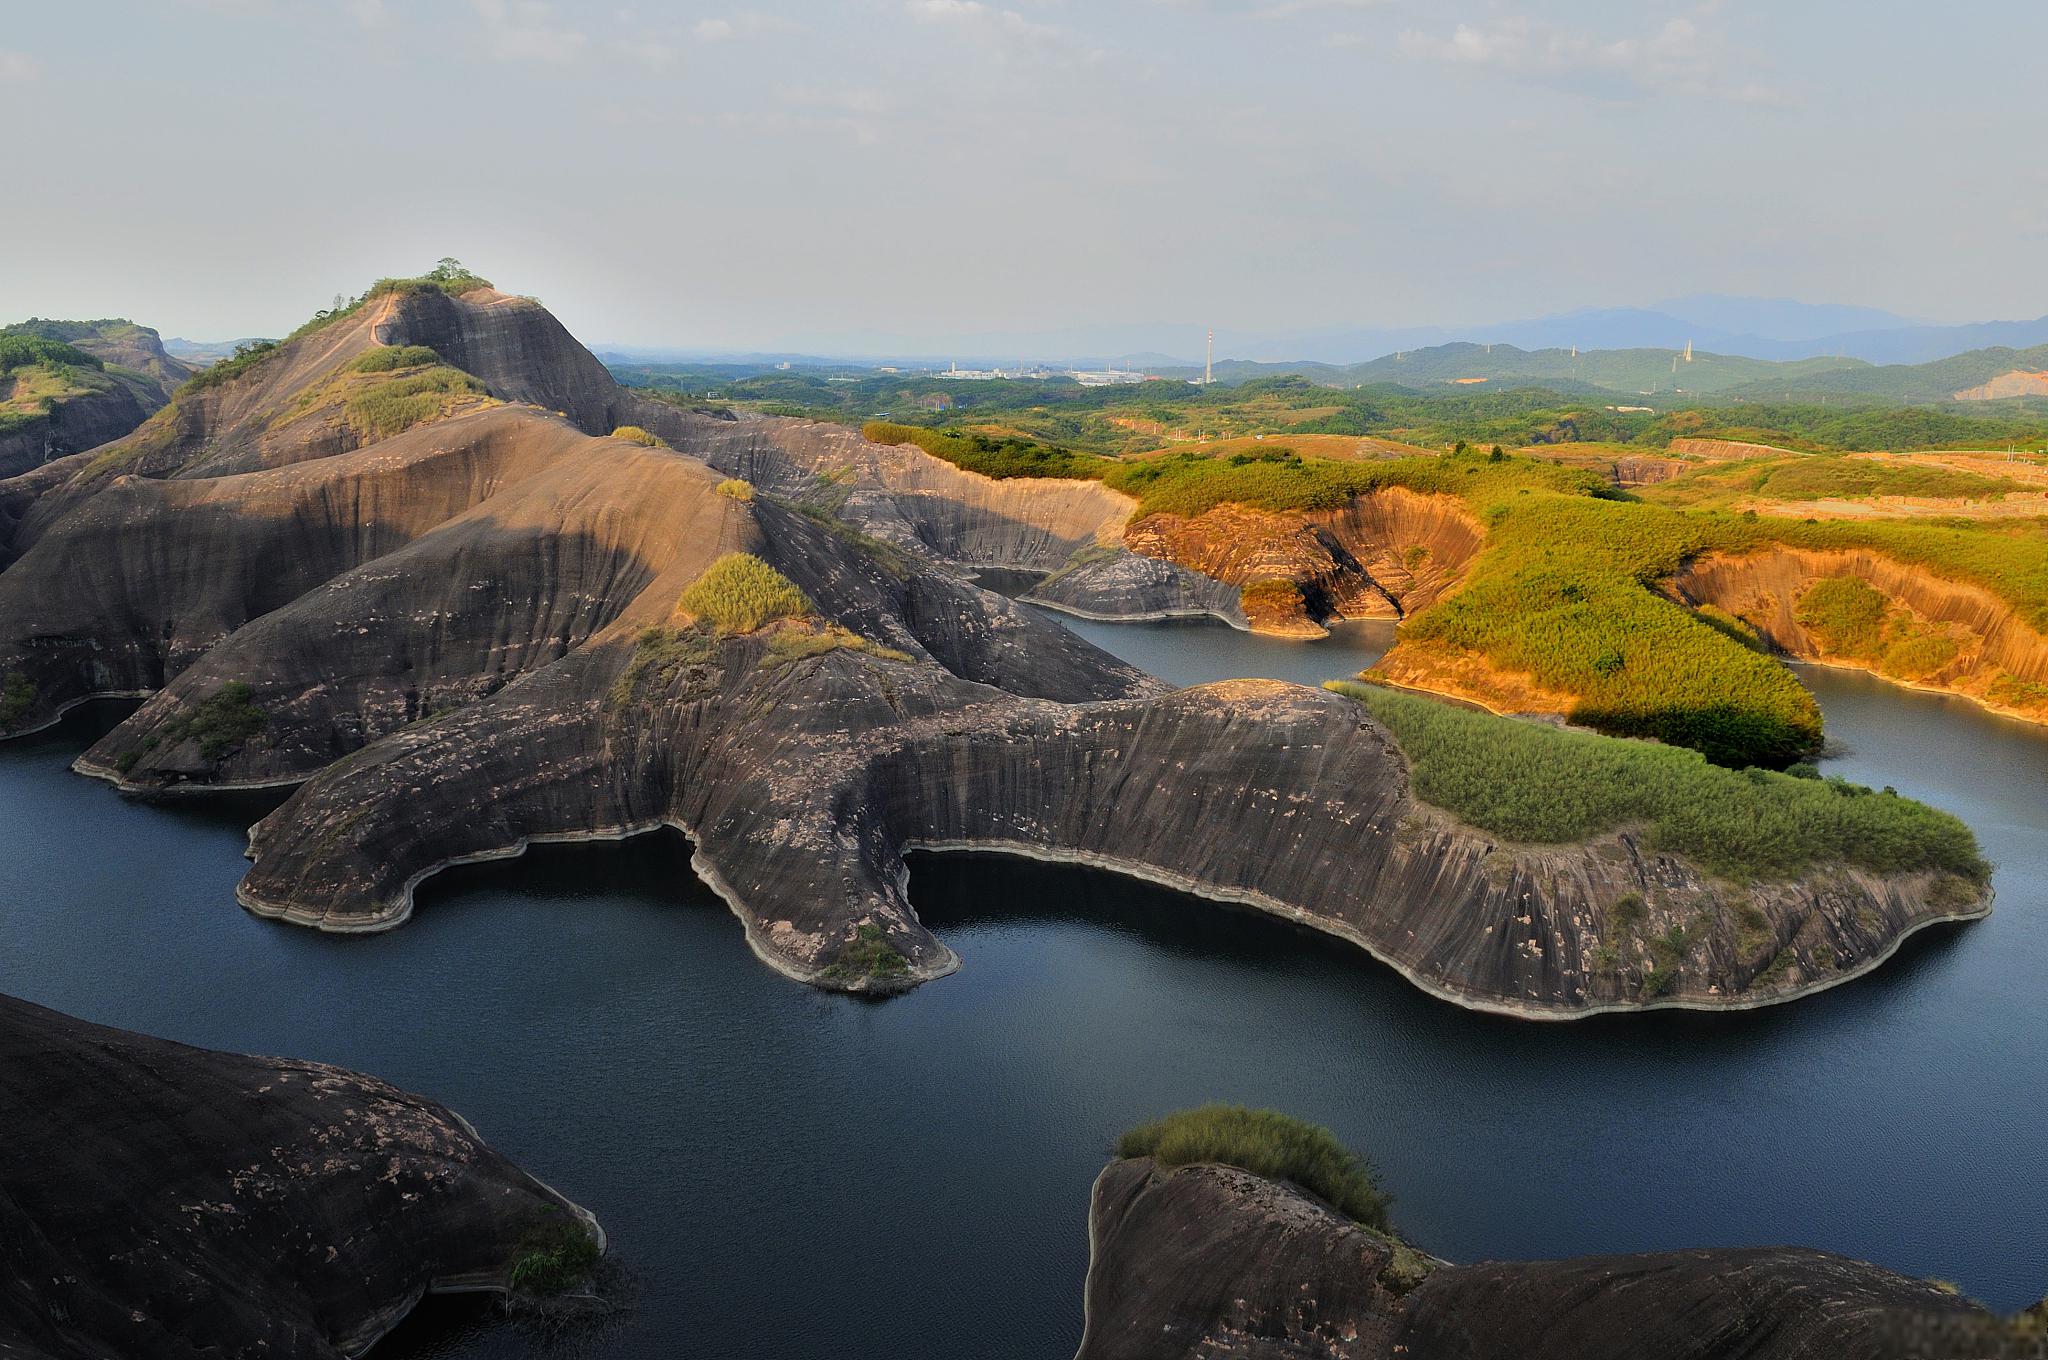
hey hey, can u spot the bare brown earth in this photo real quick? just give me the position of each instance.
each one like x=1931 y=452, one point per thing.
x=1386 y=555
x=2019 y=382
x=2001 y=661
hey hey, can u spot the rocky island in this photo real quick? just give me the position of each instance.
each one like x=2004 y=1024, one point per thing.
x=1193 y=1254
x=162 y=1200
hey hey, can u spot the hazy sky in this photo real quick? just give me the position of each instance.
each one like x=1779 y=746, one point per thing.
x=791 y=174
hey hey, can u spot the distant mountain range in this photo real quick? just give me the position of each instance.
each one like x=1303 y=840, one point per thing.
x=1778 y=329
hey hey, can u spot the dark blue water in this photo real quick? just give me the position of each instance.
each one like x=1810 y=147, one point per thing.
x=794 y=1174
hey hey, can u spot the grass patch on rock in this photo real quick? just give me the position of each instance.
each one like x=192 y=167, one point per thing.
x=389 y=358
x=867 y=957
x=17 y=697
x=736 y=488
x=633 y=434
x=1534 y=783
x=740 y=593
x=554 y=1260
x=221 y=723
x=1266 y=1143
x=795 y=642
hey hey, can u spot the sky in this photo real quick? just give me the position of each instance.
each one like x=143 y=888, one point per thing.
x=840 y=176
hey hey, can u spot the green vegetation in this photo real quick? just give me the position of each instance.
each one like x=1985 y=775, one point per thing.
x=868 y=956
x=1563 y=592
x=17 y=697
x=664 y=654
x=1852 y=621
x=1266 y=1143
x=387 y=358
x=991 y=457
x=220 y=723
x=554 y=1260
x=633 y=434
x=736 y=488
x=740 y=593
x=1823 y=477
x=395 y=405
x=1535 y=783
x=246 y=357
x=30 y=351
x=1395 y=403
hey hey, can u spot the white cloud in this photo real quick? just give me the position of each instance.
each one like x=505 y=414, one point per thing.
x=1287 y=9
x=1003 y=31
x=525 y=30
x=18 y=68
x=368 y=13
x=713 y=30
x=1680 y=57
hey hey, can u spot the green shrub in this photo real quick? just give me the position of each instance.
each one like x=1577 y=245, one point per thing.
x=246 y=357
x=1536 y=783
x=220 y=723
x=633 y=434
x=740 y=593
x=663 y=653
x=386 y=358
x=1270 y=597
x=29 y=351
x=998 y=458
x=1266 y=1143
x=736 y=488
x=17 y=697
x=554 y=1260
x=867 y=955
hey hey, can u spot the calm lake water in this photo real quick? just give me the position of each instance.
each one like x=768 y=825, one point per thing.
x=797 y=1175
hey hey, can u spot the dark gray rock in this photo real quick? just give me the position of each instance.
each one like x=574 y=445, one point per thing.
x=164 y=1201
x=1210 y=1261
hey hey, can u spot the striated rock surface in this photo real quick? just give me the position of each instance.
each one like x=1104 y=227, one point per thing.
x=169 y=1201
x=1120 y=585
x=1209 y=1261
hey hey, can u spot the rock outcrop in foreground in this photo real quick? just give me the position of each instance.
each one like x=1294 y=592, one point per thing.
x=1209 y=1261
x=169 y=1201
x=468 y=635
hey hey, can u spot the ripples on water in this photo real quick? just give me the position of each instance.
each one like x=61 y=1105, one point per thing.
x=793 y=1174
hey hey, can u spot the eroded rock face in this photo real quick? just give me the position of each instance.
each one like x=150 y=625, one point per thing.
x=1992 y=655
x=1210 y=1261
x=169 y=1201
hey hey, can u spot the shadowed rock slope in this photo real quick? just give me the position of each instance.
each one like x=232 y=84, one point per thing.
x=472 y=633
x=1208 y=1261
x=169 y=1201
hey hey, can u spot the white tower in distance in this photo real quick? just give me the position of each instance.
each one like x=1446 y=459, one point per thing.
x=1209 y=363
